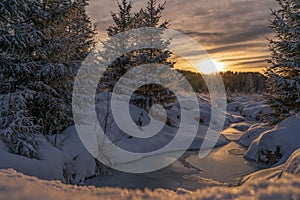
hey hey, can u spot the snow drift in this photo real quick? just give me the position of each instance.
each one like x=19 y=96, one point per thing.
x=15 y=185
x=276 y=145
x=67 y=160
x=291 y=167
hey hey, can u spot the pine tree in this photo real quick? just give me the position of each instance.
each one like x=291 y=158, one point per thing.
x=123 y=20
x=41 y=48
x=284 y=73
x=126 y=20
x=81 y=29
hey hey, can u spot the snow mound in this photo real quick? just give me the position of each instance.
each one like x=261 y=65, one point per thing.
x=256 y=110
x=252 y=107
x=18 y=186
x=291 y=167
x=235 y=107
x=80 y=163
x=277 y=144
x=252 y=133
x=63 y=158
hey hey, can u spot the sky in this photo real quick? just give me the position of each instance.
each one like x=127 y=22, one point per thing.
x=233 y=32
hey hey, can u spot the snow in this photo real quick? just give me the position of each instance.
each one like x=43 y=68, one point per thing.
x=277 y=144
x=49 y=166
x=234 y=118
x=255 y=110
x=251 y=107
x=252 y=133
x=15 y=185
x=246 y=116
x=69 y=161
x=291 y=167
x=241 y=126
x=81 y=163
x=146 y=146
x=64 y=157
x=3 y=146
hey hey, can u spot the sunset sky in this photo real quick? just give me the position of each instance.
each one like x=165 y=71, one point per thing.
x=234 y=32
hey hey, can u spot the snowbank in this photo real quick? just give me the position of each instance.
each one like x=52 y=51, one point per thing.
x=14 y=185
x=277 y=144
x=251 y=107
x=252 y=133
x=49 y=166
x=291 y=167
x=64 y=157
x=67 y=160
x=241 y=126
x=256 y=110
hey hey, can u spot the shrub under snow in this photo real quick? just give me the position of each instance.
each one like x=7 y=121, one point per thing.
x=277 y=144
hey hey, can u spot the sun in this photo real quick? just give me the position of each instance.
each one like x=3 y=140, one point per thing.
x=209 y=66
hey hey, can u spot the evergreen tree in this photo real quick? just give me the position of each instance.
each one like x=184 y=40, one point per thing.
x=284 y=73
x=126 y=20
x=123 y=20
x=41 y=47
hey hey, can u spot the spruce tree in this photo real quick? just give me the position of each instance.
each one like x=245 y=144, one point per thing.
x=284 y=72
x=126 y=20
x=151 y=17
x=41 y=48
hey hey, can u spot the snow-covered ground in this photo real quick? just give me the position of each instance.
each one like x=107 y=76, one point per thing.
x=14 y=185
x=63 y=157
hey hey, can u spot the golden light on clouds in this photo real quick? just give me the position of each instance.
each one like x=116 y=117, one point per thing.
x=233 y=32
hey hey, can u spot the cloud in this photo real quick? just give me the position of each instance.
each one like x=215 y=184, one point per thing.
x=235 y=28
x=192 y=33
x=237 y=36
x=245 y=63
x=249 y=59
x=238 y=47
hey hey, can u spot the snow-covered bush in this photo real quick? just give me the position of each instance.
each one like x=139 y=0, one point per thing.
x=276 y=145
x=290 y=167
x=61 y=157
x=257 y=111
x=253 y=107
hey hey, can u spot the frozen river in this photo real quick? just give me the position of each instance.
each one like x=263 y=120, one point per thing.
x=223 y=166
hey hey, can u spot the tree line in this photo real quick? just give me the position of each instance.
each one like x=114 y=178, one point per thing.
x=234 y=82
